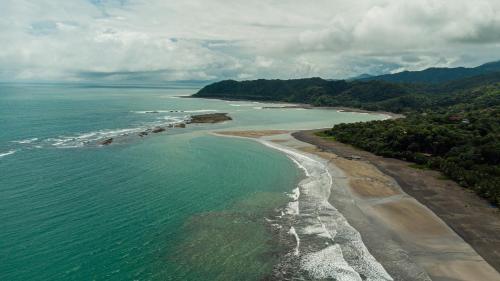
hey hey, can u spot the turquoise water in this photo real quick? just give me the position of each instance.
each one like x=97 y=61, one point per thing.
x=170 y=206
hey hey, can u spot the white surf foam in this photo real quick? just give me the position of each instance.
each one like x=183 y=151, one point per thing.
x=83 y=139
x=299 y=165
x=292 y=232
x=25 y=141
x=173 y=119
x=10 y=152
x=154 y=111
x=201 y=110
x=80 y=140
x=295 y=194
x=292 y=208
x=329 y=263
x=174 y=111
x=241 y=104
x=90 y=138
x=342 y=254
x=94 y=137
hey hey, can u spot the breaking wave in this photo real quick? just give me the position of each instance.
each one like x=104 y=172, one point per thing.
x=327 y=246
x=174 y=111
x=10 y=152
x=80 y=140
x=25 y=141
x=94 y=138
x=242 y=104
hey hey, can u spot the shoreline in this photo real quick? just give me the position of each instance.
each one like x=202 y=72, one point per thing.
x=464 y=215
x=404 y=234
x=289 y=105
x=391 y=115
x=326 y=245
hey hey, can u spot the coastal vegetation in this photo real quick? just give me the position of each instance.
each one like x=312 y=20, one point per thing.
x=369 y=95
x=464 y=145
x=453 y=127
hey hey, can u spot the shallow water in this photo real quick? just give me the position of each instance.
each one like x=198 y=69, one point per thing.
x=327 y=246
x=169 y=206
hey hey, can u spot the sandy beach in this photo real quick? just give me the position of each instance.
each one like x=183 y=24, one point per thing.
x=393 y=207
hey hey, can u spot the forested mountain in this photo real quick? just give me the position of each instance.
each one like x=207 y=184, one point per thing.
x=436 y=75
x=453 y=127
x=370 y=95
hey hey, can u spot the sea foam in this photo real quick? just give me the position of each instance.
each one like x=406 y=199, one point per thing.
x=329 y=246
x=94 y=137
x=174 y=111
x=241 y=104
x=328 y=263
x=25 y=141
x=10 y=152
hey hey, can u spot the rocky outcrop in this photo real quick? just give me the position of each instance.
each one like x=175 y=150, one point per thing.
x=203 y=118
x=107 y=141
x=158 y=130
x=210 y=118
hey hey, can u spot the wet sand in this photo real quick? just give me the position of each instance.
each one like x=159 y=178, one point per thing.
x=400 y=229
x=447 y=231
x=252 y=134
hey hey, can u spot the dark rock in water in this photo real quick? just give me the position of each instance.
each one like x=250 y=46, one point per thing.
x=180 y=125
x=158 y=130
x=142 y=134
x=152 y=111
x=107 y=141
x=210 y=118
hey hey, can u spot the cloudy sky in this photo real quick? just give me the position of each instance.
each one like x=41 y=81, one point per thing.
x=62 y=40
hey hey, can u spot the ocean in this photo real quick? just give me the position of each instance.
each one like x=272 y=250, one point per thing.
x=177 y=205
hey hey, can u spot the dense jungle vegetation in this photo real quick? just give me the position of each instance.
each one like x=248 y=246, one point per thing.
x=463 y=144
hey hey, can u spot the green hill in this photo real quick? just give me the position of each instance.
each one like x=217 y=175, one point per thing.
x=370 y=95
x=437 y=75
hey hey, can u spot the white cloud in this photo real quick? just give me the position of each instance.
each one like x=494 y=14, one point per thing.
x=197 y=39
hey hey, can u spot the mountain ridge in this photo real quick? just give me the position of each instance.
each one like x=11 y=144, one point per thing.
x=369 y=95
x=435 y=75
